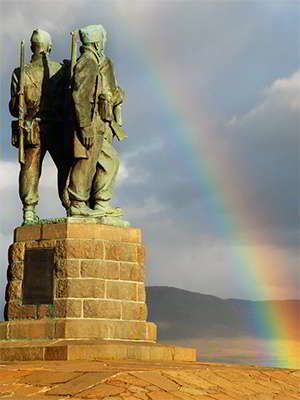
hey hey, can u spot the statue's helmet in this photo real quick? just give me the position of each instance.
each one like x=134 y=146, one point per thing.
x=41 y=38
x=92 y=34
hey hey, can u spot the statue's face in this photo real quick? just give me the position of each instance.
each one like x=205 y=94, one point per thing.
x=100 y=46
x=40 y=42
x=40 y=47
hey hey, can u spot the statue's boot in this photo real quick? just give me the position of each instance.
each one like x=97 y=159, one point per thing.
x=113 y=215
x=80 y=209
x=108 y=210
x=29 y=215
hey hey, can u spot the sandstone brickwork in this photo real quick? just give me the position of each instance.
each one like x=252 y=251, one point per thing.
x=99 y=288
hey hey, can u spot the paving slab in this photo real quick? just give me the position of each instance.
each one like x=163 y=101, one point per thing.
x=145 y=380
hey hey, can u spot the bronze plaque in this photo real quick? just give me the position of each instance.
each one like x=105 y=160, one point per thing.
x=38 y=276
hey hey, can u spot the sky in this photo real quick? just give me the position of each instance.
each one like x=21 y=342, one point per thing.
x=210 y=170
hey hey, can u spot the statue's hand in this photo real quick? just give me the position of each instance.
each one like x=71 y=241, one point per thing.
x=87 y=137
x=118 y=114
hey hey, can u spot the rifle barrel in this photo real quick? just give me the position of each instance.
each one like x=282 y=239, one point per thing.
x=73 y=52
x=21 y=104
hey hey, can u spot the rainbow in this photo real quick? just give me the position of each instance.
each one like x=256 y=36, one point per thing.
x=257 y=268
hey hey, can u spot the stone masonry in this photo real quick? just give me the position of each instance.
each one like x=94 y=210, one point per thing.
x=99 y=289
x=117 y=380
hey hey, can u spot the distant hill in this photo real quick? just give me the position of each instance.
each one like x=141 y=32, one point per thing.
x=181 y=314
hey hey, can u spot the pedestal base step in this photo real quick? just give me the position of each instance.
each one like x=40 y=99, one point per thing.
x=31 y=350
x=63 y=328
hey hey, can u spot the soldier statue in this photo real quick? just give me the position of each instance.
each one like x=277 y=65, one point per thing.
x=37 y=99
x=97 y=102
x=44 y=94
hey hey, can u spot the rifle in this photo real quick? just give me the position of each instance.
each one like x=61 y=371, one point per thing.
x=21 y=119
x=73 y=54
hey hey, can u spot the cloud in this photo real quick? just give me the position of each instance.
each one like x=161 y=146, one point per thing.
x=220 y=61
x=153 y=146
x=150 y=208
x=9 y=172
x=282 y=96
x=265 y=144
x=286 y=92
x=27 y=15
x=201 y=262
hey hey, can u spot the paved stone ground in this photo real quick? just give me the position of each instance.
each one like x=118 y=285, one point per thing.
x=58 y=380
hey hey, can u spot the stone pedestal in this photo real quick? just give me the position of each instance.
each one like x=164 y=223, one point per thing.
x=83 y=281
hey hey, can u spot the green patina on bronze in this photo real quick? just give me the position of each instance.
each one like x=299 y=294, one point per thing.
x=72 y=110
x=39 y=107
x=97 y=102
x=100 y=220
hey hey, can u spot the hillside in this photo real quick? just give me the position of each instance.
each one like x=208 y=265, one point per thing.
x=185 y=315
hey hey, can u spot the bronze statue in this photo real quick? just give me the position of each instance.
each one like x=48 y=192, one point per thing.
x=51 y=100
x=37 y=100
x=97 y=102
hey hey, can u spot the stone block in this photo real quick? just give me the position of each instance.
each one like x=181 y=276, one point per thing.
x=151 y=333
x=54 y=231
x=61 y=288
x=19 y=311
x=130 y=235
x=132 y=330
x=120 y=252
x=100 y=329
x=66 y=249
x=57 y=353
x=134 y=311
x=141 y=292
x=80 y=288
x=41 y=244
x=68 y=308
x=121 y=290
x=82 y=328
x=161 y=353
x=38 y=329
x=102 y=309
x=67 y=269
x=91 y=349
x=132 y=272
x=86 y=231
x=98 y=249
x=100 y=269
x=107 y=232
x=45 y=311
x=16 y=252
x=27 y=232
x=13 y=290
x=184 y=354
x=141 y=253
x=77 y=230
x=79 y=248
x=16 y=270
x=3 y=330
x=110 y=350
x=137 y=351
x=27 y=353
